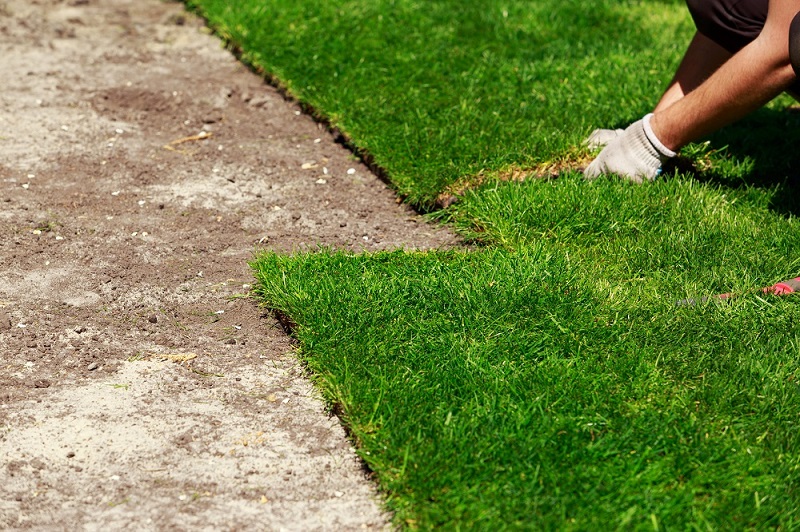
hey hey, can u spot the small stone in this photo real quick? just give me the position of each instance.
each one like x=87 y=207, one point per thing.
x=153 y=319
x=231 y=341
x=93 y=366
x=70 y=455
x=80 y=330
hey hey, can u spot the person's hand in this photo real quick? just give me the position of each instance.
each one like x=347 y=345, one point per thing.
x=601 y=137
x=636 y=154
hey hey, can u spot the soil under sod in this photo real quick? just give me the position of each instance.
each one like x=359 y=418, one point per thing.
x=140 y=167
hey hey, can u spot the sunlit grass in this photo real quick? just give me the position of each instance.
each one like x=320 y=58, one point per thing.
x=546 y=379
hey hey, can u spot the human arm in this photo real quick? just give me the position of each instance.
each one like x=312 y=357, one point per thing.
x=750 y=79
x=701 y=98
x=702 y=58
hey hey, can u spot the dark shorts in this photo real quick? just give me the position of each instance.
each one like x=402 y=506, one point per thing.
x=730 y=23
x=733 y=24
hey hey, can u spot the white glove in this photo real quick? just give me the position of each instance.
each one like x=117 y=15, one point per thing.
x=636 y=154
x=601 y=137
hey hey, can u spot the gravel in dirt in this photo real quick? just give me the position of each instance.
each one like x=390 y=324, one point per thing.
x=140 y=168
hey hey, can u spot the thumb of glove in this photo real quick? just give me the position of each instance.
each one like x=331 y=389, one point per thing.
x=601 y=137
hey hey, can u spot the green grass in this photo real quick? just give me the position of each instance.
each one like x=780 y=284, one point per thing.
x=545 y=379
x=552 y=382
x=438 y=90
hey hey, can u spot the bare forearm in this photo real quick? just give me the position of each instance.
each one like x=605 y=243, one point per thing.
x=747 y=81
x=742 y=85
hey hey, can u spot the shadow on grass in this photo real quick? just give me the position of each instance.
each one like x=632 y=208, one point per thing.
x=759 y=151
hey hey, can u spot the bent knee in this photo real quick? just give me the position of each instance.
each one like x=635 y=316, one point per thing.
x=732 y=24
x=794 y=43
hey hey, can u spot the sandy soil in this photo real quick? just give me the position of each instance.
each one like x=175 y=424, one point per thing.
x=140 y=168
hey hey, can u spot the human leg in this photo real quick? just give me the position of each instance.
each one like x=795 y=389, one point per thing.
x=794 y=44
x=723 y=28
x=733 y=24
x=702 y=58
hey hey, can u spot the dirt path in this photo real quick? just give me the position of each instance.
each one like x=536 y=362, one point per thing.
x=140 y=166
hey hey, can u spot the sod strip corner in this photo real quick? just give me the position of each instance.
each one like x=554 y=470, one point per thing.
x=545 y=379
x=438 y=91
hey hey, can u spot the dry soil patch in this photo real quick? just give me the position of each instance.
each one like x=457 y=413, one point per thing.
x=140 y=167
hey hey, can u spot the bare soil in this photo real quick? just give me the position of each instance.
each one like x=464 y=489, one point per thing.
x=141 y=166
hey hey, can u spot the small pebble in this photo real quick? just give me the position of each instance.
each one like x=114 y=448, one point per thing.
x=230 y=341
x=153 y=319
x=70 y=454
x=91 y=367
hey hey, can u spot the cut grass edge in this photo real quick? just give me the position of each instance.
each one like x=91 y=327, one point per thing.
x=574 y=160
x=339 y=135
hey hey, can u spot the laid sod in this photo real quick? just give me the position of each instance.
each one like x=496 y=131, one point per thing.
x=555 y=383
x=545 y=379
x=439 y=90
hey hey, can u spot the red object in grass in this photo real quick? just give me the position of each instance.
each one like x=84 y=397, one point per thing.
x=789 y=286
x=784 y=287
